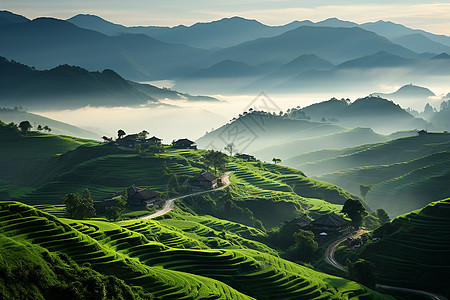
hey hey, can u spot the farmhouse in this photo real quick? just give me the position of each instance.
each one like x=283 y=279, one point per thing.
x=246 y=157
x=422 y=132
x=100 y=206
x=204 y=181
x=153 y=140
x=184 y=144
x=128 y=141
x=143 y=197
x=331 y=224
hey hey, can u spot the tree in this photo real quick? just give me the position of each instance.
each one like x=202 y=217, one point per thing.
x=276 y=160
x=46 y=128
x=143 y=134
x=364 y=189
x=355 y=210
x=39 y=128
x=106 y=139
x=362 y=271
x=383 y=216
x=79 y=207
x=25 y=126
x=305 y=246
x=114 y=213
x=120 y=133
x=230 y=148
x=323 y=120
x=216 y=160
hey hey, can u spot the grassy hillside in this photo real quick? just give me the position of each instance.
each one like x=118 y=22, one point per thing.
x=170 y=263
x=400 y=187
x=17 y=116
x=391 y=152
x=20 y=154
x=343 y=139
x=105 y=170
x=413 y=250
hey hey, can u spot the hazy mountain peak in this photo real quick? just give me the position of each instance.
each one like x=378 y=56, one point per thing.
x=441 y=56
x=10 y=17
x=414 y=90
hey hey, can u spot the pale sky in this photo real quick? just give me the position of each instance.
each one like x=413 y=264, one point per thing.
x=428 y=15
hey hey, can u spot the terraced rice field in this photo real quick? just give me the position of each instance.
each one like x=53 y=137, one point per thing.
x=414 y=251
x=159 y=258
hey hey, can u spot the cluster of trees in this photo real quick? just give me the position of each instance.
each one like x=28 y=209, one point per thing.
x=276 y=160
x=216 y=160
x=45 y=128
x=355 y=210
x=114 y=213
x=79 y=207
x=25 y=127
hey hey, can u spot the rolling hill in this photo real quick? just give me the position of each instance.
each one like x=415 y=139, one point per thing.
x=166 y=262
x=8 y=115
x=412 y=250
x=377 y=113
x=66 y=87
x=343 y=139
x=55 y=42
x=333 y=44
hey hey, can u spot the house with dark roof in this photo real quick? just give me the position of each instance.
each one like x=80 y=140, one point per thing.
x=143 y=197
x=153 y=140
x=246 y=157
x=331 y=223
x=128 y=141
x=422 y=132
x=205 y=181
x=184 y=144
x=302 y=221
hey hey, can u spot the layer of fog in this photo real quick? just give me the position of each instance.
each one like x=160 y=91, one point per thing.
x=179 y=119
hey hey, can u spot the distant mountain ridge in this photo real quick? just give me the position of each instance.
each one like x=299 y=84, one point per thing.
x=70 y=87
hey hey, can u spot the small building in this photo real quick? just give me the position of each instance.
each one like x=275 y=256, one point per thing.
x=246 y=157
x=184 y=144
x=100 y=206
x=205 y=181
x=331 y=224
x=143 y=197
x=422 y=132
x=128 y=141
x=153 y=140
x=302 y=221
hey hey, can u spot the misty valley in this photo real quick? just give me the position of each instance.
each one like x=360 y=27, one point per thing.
x=227 y=159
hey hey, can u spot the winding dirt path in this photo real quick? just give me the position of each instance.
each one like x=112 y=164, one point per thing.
x=169 y=205
x=329 y=257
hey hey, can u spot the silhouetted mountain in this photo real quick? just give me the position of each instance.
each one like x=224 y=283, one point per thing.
x=408 y=91
x=380 y=114
x=283 y=73
x=96 y=23
x=335 y=22
x=46 y=43
x=419 y=43
x=393 y=31
x=333 y=44
x=69 y=87
x=441 y=56
x=9 y=17
x=224 y=77
x=380 y=59
x=217 y=34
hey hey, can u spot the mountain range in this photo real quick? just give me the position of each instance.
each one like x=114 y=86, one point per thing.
x=187 y=53
x=73 y=87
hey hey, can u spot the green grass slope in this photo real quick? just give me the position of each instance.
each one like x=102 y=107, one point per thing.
x=19 y=155
x=158 y=257
x=256 y=187
x=413 y=250
x=60 y=128
x=400 y=187
x=344 y=139
x=395 y=151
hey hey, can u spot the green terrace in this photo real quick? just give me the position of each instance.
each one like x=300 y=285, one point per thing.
x=174 y=262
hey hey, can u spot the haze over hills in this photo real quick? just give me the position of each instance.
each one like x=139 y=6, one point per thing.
x=282 y=59
x=46 y=43
x=73 y=87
